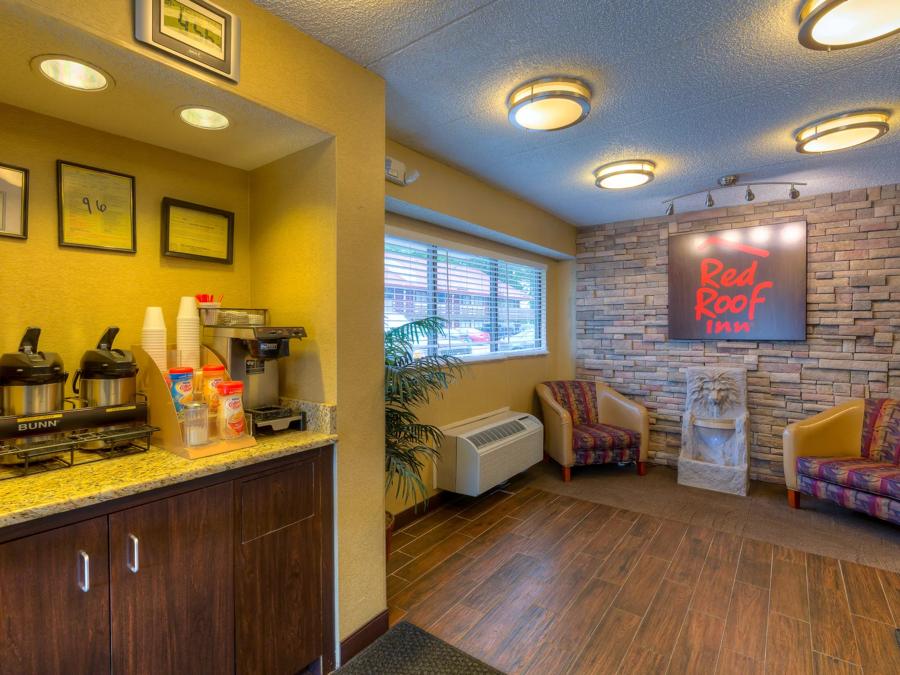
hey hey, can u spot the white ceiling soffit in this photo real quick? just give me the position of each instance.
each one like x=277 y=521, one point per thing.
x=144 y=101
x=703 y=88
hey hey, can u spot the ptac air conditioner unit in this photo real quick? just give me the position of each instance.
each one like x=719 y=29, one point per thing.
x=484 y=451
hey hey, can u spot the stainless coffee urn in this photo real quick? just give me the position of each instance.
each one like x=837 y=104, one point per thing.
x=31 y=381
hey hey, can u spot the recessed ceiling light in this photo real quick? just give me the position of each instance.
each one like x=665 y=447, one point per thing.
x=628 y=173
x=838 y=24
x=72 y=73
x=842 y=131
x=203 y=118
x=549 y=104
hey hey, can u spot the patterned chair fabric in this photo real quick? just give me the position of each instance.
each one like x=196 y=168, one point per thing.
x=884 y=508
x=869 y=483
x=881 y=430
x=877 y=478
x=604 y=443
x=578 y=397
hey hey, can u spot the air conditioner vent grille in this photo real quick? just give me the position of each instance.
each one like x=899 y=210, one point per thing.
x=496 y=433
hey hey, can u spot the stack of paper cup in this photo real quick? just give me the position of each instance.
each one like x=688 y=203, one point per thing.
x=153 y=337
x=188 y=333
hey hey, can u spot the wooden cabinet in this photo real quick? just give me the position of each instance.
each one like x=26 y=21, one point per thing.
x=54 y=601
x=171 y=569
x=227 y=573
x=279 y=554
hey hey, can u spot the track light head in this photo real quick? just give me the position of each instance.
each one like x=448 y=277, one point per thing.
x=748 y=195
x=670 y=209
x=794 y=192
x=709 y=200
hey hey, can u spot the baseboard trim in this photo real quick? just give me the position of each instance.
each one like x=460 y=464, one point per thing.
x=354 y=643
x=407 y=516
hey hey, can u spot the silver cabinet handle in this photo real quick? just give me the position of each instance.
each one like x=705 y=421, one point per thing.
x=134 y=558
x=84 y=571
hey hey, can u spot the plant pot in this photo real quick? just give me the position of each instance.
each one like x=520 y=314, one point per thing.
x=388 y=531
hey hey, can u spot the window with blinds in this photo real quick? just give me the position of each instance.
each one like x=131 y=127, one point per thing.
x=492 y=307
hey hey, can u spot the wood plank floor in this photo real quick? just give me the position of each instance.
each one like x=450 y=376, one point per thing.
x=532 y=582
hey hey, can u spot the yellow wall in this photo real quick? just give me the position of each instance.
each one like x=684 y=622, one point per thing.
x=489 y=385
x=292 y=206
x=73 y=294
x=290 y=72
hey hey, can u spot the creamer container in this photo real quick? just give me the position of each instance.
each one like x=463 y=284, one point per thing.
x=231 y=409
x=212 y=375
x=181 y=384
x=195 y=424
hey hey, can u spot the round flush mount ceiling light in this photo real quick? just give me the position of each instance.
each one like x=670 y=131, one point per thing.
x=72 y=73
x=549 y=104
x=626 y=174
x=842 y=131
x=838 y=24
x=203 y=118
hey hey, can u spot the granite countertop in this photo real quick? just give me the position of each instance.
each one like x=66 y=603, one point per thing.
x=31 y=497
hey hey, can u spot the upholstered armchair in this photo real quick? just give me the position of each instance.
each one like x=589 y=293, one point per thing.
x=848 y=454
x=586 y=422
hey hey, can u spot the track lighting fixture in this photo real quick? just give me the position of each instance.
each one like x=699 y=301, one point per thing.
x=727 y=182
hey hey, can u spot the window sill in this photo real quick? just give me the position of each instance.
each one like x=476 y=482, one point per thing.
x=503 y=356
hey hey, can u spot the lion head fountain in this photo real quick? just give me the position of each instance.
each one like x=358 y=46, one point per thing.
x=714 y=430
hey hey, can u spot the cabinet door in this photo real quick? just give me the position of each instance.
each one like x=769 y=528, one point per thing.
x=171 y=578
x=54 y=601
x=279 y=620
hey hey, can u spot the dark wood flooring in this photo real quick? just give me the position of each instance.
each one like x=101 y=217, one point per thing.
x=534 y=582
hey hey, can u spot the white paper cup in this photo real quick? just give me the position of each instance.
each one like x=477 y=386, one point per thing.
x=188 y=307
x=153 y=318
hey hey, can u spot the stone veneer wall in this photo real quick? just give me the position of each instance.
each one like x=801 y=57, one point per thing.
x=853 y=316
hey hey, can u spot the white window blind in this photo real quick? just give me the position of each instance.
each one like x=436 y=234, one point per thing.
x=492 y=307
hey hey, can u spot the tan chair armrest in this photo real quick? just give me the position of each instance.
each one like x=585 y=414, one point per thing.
x=615 y=409
x=557 y=428
x=835 y=432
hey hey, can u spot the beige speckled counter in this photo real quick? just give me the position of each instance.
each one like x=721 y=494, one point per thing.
x=44 y=494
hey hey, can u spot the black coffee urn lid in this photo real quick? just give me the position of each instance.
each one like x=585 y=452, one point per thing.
x=30 y=366
x=104 y=362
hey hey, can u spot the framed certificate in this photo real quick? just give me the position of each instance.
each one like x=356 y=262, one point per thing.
x=13 y=201
x=96 y=208
x=194 y=30
x=197 y=232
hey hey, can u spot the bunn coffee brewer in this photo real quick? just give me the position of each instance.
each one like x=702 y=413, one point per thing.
x=250 y=351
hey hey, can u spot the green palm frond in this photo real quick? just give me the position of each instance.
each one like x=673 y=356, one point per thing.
x=410 y=445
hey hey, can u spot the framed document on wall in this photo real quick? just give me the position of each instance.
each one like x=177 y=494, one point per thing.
x=197 y=232
x=740 y=284
x=196 y=31
x=95 y=208
x=13 y=201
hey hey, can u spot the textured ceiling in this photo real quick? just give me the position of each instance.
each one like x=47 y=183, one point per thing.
x=703 y=88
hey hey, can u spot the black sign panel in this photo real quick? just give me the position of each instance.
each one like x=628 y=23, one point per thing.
x=740 y=284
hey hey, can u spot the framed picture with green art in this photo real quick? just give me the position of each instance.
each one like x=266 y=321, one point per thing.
x=13 y=201
x=196 y=31
x=197 y=232
x=96 y=208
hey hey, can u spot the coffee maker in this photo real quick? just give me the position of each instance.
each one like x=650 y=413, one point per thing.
x=250 y=352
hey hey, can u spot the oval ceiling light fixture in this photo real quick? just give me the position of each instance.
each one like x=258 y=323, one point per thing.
x=840 y=132
x=838 y=24
x=72 y=73
x=549 y=104
x=625 y=174
x=203 y=118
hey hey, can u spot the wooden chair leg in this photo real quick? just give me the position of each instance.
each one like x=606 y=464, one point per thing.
x=642 y=468
x=793 y=499
x=567 y=474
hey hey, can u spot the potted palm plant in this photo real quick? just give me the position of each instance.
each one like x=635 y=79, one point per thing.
x=412 y=379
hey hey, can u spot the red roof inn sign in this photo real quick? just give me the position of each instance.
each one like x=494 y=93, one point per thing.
x=741 y=284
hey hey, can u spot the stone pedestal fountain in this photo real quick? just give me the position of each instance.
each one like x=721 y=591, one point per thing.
x=714 y=438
